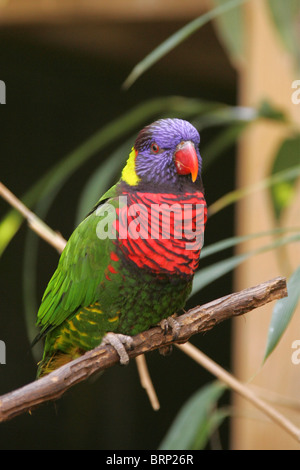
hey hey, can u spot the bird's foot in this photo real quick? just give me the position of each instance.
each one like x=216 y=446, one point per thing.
x=119 y=342
x=172 y=324
x=166 y=324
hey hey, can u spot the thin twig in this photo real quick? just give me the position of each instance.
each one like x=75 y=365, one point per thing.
x=36 y=224
x=146 y=381
x=276 y=398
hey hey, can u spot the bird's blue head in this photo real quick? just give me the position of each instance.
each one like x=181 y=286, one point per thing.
x=165 y=153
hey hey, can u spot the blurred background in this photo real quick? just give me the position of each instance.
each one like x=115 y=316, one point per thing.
x=67 y=128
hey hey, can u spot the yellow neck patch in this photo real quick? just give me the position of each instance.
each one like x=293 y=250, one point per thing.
x=128 y=174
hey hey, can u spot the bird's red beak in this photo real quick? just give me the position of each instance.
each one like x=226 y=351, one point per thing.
x=186 y=160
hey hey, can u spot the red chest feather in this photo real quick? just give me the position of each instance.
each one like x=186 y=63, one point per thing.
x=162 y=233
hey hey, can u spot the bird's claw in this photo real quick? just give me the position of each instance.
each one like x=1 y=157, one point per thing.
x=119 y=342
x=172 y=324
x=166 y=324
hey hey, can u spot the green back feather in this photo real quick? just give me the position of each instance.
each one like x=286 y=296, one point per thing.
x=81 y=268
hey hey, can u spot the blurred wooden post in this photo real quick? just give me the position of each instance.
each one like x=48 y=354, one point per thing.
x=268 y=74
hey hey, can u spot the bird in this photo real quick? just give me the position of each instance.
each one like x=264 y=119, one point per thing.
x=129 y=265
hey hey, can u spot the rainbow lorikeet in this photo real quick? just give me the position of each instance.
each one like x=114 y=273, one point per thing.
x=130 y=263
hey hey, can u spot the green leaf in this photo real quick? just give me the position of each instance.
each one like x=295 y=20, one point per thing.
x=29 y=297
x=236 y=119
x=218 y=114
x=196 y=420
x=205 y=276
x=267 y=110
x=222 y=142
x=286 y=16
x=209 y=426
x=283 y=192
x=233 y=196
x=234 y=241
x=283 y=312
x=231 y=29
x=177 y=38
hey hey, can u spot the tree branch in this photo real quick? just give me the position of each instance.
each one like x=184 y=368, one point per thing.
x=196 y=320
x=34 y=222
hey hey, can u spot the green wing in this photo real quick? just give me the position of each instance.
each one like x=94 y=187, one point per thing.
x=81 y=268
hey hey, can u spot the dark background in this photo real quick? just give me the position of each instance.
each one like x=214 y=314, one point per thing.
x=63 y=83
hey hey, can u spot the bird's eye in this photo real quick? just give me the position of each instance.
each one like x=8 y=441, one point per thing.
x=154 y=148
